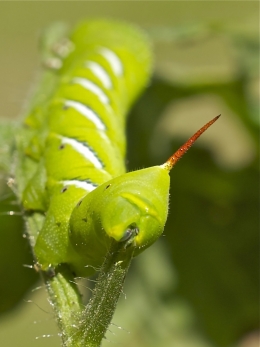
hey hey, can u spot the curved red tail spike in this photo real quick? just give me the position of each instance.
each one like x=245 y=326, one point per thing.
x=168 y=165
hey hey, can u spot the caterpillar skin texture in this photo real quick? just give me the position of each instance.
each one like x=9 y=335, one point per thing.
x=76 y=141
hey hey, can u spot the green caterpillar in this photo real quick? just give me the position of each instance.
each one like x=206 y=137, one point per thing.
x=75 y=140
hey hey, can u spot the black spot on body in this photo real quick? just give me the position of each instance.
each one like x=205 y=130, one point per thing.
x=79 y=203
x=64 y=189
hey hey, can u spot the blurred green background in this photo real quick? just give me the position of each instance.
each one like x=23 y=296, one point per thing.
x=198 y=285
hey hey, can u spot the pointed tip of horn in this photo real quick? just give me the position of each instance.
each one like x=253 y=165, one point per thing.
x=168 y=165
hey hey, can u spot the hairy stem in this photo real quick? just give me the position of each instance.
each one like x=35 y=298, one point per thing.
x=101 y=307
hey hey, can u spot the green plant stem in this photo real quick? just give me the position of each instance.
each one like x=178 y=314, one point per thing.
x=101 y=307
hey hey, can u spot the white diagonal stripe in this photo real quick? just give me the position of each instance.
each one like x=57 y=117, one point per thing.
x=86 y=112
x=80 y=184
x=87 y=84
x=83 y=150
x=100 y=73
x=113 y=60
